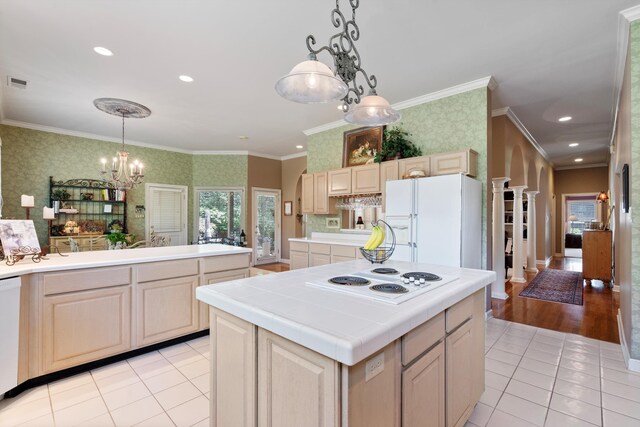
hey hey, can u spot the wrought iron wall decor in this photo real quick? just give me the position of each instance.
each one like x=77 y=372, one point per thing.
x=313 y=82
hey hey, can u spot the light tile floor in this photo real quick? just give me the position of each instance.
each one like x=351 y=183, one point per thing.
x=538 y=377
x=169 y=387
x=534 y=377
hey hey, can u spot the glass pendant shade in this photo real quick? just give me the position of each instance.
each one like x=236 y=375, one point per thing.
x=373 y=110
x=311 y=82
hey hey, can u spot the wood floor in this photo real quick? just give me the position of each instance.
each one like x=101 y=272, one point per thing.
x=276 y=267
x=595 y=319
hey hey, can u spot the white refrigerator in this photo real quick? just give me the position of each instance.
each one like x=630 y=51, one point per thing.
x=436 y=220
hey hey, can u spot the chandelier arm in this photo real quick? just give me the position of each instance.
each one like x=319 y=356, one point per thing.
x=311 y=40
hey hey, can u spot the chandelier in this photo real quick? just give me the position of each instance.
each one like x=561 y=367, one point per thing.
x=121 y=175
x=312 y=82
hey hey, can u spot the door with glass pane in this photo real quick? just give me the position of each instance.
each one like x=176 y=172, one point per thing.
x=266 y=225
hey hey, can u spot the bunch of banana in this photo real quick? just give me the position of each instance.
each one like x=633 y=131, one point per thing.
x=376 y=239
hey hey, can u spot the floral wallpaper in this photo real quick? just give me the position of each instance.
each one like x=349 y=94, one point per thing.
x=448 y=124
x=29 y=157
x=634 y=172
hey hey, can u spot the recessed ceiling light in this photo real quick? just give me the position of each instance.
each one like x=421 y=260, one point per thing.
x=299 y=146
x=578 y=160
x=102 y=51
x=565 y=119
x=186 y=79
x=573 y=144
x=244 y=137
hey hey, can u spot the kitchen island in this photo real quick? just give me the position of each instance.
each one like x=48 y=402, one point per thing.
x=88 y=306
x=289 y=351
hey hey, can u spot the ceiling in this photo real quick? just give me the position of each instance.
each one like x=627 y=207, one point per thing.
x=549 y=58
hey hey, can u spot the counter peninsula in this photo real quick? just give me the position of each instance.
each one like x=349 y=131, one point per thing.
x=288 y=353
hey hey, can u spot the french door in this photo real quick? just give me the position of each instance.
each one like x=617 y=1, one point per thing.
x=266 y=225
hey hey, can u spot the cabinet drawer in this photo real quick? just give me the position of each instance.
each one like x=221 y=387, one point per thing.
x=299 y=246
x=167 y=270
x=225 y=262
x=422 y=338
x=82 y=280
x=457 y=314
x=343 y=251
x=319 y=248
x=298 y=260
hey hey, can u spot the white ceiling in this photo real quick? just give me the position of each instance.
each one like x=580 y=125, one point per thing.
x=550 y=58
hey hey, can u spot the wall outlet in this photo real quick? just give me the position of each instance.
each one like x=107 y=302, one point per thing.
x=374 y=366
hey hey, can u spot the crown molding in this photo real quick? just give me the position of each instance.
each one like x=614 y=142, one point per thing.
x=489 y=82
x=592 y=165
x=264 y=156
x=631 y=14
x=220 y=153
x=88 y=135
x=294 y=156
x=506 y=111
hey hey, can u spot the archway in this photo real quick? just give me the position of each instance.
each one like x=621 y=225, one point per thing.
x=532 y=176
x=297 y=208
x=516 y=169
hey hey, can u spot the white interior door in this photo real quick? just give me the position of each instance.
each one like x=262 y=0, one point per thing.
x=167 y=212
x=266 y=225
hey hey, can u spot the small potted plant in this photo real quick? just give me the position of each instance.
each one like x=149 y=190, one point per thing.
x=118 y=240
x=396 y=145
x=59 y=196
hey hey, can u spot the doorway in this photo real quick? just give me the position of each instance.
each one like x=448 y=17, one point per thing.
x=166 y=212
x=266 y=217
x=578 y=210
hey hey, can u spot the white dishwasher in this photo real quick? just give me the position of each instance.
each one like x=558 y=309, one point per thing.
x=9 y=325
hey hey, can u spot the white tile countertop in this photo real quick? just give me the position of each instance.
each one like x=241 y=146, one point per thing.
x=344 y=327
x=345 y=239
x=89 y=259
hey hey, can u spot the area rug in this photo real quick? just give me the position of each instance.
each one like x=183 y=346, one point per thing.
x=557 y=286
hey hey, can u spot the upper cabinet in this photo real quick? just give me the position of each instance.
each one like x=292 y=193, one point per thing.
x=465 y=162
x=365 y=179
x=307 y=193
x=315 y=197
x=340 y=182
x=405 y=166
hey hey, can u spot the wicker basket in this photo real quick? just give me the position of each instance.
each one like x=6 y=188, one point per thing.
x=381 y=253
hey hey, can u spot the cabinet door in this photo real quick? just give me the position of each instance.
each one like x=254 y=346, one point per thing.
x=457 y=162
x=80 y=327
x=210 y=279
x=307 y=193
x=298 y=260
x=388 y=172
x=418 y=163
x=423 y=391
x=319 y=259
x=233 y=373
x=365 y=179
x=460 y=354
x=340 y=182
x=321 y=198
x=166 y=309
x=339 y=258
x=297 y=386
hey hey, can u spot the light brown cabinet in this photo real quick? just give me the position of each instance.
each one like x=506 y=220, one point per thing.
x=319 y=254
x=307 y=193
x=423 y=390
x=298 y=255
x=303 y=255
x=296 y=386
x=460 y=354
x=465 y=162
x=340 y=182
x=79 y=327
x=421 y=163
x=210 y=279
x=597 y=255
x=365 y=179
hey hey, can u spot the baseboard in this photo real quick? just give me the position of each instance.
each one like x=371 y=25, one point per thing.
x=285 y=261
x=558 y=255
x=488 y=314
x=632 y=364
x=499 y=295
x=544 y=262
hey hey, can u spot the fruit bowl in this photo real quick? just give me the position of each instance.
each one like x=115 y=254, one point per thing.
x=381 y=253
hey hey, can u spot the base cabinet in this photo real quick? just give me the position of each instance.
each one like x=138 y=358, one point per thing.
x=298 y=260
x=423 y=390
x=460 y=354
x=597 y=255
x=104 y=330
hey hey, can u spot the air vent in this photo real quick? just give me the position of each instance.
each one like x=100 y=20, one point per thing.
x=16 y=83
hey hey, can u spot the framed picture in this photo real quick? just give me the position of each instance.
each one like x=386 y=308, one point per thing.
x=625 y=188
x=333 y=222
x=107 y=208
x=18 y=237
x=361 y=145
x=288 y=208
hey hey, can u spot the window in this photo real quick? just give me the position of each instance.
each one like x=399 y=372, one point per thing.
x=584 y=211
x=223 y=207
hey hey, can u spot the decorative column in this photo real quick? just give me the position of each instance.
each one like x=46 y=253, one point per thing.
x=531 y=231
x=518 y=227
x=497 y=289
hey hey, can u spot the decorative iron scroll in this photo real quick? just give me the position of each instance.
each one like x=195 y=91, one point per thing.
x=93 y=183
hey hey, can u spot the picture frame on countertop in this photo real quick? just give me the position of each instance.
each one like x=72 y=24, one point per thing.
x=333 y=222
x=288 y=208
x=18 y=237
x=361 y=145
